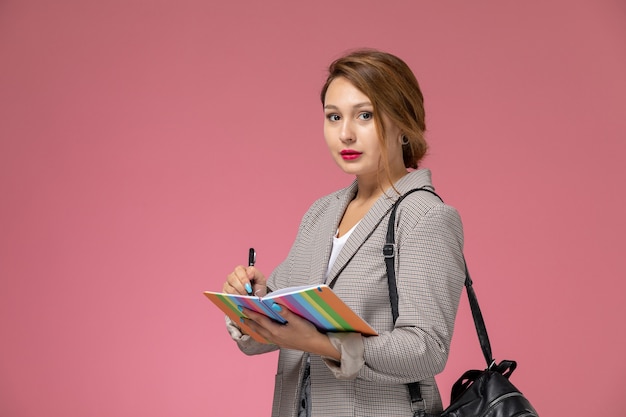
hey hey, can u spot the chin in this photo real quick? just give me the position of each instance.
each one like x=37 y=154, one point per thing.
x=347 y=168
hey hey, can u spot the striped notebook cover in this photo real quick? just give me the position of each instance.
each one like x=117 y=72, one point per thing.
x=316 y=303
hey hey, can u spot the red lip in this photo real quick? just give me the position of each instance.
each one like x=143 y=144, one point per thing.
x=350 y=154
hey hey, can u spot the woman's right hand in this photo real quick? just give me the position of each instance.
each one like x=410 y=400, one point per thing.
x=245 y=281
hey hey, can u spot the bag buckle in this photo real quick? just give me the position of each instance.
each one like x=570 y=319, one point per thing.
x=418 y=411
x=389 y=250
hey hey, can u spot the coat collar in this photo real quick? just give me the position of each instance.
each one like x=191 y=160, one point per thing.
x=369 y=223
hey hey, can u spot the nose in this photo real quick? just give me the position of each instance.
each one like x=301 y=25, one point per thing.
x=346 y=133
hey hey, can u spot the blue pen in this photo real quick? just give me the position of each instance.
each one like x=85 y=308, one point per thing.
x=251 y=262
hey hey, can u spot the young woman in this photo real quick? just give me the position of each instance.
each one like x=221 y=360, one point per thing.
x=374 y=128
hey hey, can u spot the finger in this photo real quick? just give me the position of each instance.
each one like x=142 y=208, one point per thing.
x=236 y=281
x=254 y=316
x=257 y=328
x=290 y=334
x=260 y=323
x=257 y=280
x=283 y=311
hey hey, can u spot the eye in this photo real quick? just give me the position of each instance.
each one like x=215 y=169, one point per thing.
x=366 y=115
x=333 y=117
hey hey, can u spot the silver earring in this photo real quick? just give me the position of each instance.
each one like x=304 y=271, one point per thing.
x=404 y=140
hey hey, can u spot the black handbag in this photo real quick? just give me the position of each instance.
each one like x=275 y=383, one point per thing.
x=477 y=393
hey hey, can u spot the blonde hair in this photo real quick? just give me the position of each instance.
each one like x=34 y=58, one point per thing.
x=393 y=90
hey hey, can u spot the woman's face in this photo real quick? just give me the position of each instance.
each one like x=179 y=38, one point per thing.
x=351 y=134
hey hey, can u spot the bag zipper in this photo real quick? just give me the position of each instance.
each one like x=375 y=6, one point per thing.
x=502 y=398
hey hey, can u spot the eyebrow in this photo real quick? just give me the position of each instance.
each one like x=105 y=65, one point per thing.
x=356 y=106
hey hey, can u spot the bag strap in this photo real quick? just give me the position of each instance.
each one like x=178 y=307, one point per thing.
x=479 y=322
x=389 y=251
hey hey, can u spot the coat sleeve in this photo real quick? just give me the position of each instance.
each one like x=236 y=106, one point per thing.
x=430 y=276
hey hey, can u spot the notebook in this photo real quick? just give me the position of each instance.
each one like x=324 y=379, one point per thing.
x=316 y=303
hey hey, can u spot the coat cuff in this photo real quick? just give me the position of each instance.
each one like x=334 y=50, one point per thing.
x=352 y=350
x=235 y=331
x=246 y=343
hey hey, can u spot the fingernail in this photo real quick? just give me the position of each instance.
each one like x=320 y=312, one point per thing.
x=277 y=307
x=240 y=308
x=248 y=288
x=242 y=320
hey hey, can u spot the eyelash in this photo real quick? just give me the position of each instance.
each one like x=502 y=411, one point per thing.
x=332 y=116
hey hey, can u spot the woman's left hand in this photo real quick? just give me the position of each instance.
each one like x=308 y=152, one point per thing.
x=297 y=333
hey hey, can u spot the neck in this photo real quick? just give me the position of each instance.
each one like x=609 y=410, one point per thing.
x=371 y=187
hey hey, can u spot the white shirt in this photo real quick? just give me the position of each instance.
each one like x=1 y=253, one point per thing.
x=338 y=244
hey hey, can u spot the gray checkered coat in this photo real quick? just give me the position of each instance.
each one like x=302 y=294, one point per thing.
x=430 y=276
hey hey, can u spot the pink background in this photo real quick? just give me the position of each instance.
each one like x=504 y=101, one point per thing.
x=145 y=145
